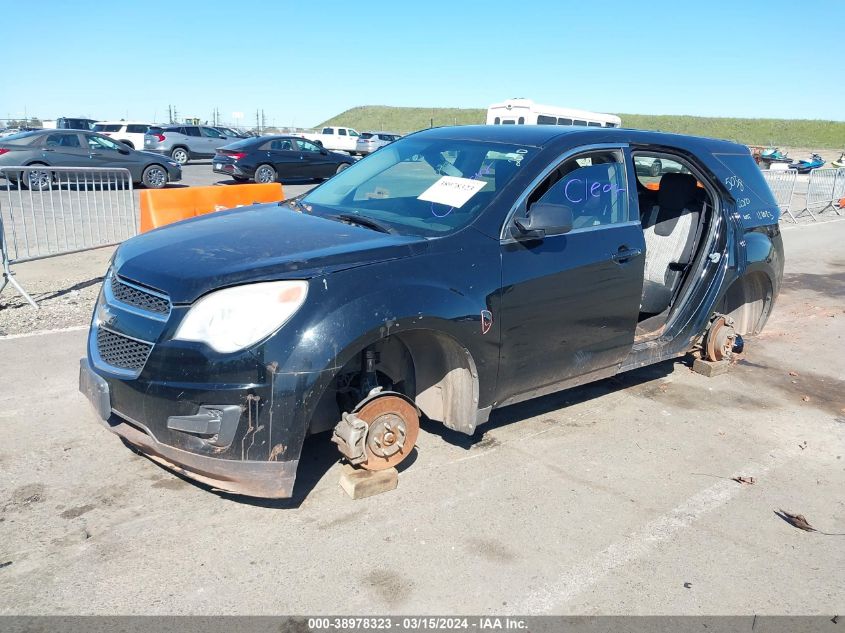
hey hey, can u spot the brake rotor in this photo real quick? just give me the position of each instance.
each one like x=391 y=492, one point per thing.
x=393 y=429
x=720 y=340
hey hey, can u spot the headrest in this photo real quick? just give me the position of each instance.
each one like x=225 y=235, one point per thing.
x=676 y=191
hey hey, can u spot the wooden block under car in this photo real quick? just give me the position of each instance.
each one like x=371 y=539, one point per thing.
x=359 y=483
x=710 y=368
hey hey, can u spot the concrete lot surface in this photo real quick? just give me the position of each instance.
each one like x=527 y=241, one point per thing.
x=614 y=498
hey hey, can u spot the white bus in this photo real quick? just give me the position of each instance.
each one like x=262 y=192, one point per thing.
x=526 y=112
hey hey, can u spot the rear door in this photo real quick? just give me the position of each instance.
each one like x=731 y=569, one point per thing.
x=65 y=149
x=570 y=302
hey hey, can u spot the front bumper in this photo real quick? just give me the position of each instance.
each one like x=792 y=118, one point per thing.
x=268 y=479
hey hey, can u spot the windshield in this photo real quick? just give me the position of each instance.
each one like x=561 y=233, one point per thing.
x=420 y=186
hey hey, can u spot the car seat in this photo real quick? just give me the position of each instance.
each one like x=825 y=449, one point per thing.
x=669 y=230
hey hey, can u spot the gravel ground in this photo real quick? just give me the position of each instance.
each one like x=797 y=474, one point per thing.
x=64 y=287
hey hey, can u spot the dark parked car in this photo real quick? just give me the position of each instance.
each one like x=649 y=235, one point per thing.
x=68 y=123
x=75 y=148
x=272 y=158
x=455 y=271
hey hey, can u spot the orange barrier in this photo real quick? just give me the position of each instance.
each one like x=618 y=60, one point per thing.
x=842 y=203
x=165 y=206
x=655 y=186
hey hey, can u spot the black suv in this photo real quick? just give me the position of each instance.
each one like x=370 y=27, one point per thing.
x=454 y=271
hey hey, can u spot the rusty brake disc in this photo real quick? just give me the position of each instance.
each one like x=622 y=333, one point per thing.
x=393 y=429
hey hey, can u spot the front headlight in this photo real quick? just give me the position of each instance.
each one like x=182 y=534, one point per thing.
x=234 y=318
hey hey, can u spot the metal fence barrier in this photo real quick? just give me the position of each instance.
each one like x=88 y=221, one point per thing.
x=821 y=190
x=47 y=211
x=825 y=187
x=782 y=184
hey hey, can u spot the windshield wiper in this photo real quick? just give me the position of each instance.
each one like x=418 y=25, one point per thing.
x=295 y=203
x=360 y=220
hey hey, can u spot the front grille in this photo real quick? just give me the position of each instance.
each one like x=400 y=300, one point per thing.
x=121 y=351
x=134 y=296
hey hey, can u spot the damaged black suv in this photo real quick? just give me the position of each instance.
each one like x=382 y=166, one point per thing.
x=455 y=271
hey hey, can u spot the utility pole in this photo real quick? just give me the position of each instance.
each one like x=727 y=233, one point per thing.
x=263 y=120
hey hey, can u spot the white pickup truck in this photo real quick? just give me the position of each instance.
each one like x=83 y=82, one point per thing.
x=341 y=139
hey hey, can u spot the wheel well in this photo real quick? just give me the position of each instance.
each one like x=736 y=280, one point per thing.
x=429 y=367
x=175 y=147
x=748 y=301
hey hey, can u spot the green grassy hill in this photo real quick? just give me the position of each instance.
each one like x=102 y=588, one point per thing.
x=784 y=132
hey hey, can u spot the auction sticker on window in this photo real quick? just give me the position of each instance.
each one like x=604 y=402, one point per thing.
x=452 y=191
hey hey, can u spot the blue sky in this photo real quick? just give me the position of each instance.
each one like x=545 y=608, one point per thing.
x=303 y=62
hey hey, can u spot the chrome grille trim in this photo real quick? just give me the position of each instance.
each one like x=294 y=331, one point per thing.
x=121 y=351
x=137 y=299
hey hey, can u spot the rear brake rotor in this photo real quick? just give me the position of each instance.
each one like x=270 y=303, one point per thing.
x=719 y=341
x=393 y=428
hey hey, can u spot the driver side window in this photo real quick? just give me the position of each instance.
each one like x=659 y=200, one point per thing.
x=593 y=185
x=210 y=132
x=98 y=143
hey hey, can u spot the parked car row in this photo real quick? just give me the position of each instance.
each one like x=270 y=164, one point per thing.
x=347 y=139
x=153 y=152
x=77 y=148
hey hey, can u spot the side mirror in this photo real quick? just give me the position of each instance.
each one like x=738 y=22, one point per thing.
x=544 y=218
x=124 y=150
x=324 y=151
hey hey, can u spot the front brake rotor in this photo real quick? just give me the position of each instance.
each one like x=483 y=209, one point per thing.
x=720 y=338
x=393 y=428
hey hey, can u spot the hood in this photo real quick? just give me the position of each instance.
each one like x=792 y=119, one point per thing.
x=256 y=243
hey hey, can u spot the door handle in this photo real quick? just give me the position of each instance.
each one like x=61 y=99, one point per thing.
x=48 y=149
x=95 y=154
x=625 y=254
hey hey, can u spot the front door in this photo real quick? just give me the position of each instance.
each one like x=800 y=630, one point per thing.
x=286 y=158
x=316 y=164
x=213 y=140
x=570 y=302
x=106 y=153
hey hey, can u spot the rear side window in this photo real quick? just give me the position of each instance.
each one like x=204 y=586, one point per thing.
x=594 y=124
x=192 y=131
x=210 y=132
x=137 y=129
x=577 y=122
x=107 y=127
x=328 y=130
x=564 y=121
x=341 y=132
x=62 y=140
x=542 y=119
